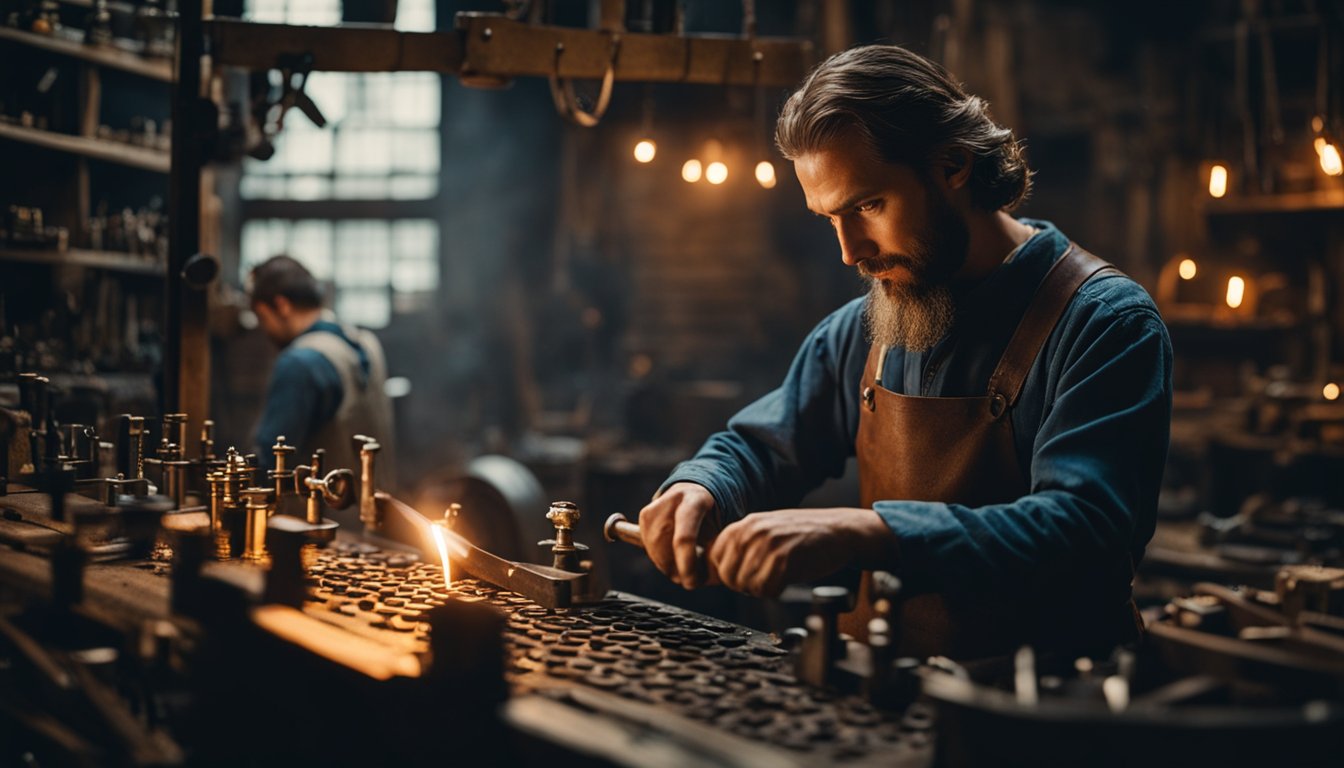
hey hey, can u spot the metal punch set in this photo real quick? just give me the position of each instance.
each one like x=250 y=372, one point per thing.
x=684 y=664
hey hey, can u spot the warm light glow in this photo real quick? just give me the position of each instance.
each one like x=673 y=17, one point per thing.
x=645 y=150
x=765 y=174
x=1319 y=145
x=1188 y=269
x=1236 y=291
x=716 y=173
x=442 y=542
x=1330 y=160
x=1218 y=181
x=1330 y=391
x=691 y=170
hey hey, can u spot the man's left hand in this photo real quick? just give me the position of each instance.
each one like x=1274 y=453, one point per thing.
x=765 y=551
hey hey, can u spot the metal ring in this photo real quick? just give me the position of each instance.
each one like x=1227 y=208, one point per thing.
x=869 y=398
x=567 y=102
x=998 y=405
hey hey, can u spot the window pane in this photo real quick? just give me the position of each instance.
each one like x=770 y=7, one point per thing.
x=413 y=187
x=368 y=307
x=362 y=254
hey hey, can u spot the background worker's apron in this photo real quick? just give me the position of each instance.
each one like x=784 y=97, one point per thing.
x=960 y=450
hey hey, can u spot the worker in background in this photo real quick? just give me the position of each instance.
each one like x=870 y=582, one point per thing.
x=327 y=385
x=1007 y=396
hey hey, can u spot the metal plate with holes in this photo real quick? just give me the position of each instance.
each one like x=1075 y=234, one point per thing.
x=714 y=673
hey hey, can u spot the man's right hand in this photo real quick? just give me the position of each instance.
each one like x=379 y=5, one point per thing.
x=672 y=525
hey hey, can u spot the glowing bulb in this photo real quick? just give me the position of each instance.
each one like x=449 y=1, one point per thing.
x=1319 y=145
x=716 y=173
x=691 y=171
x=1188 y=269
x=645 y=150
x=1330 y=391
x=1330 y=160
x=1218 y=181
x=765 y=174
x=1236 y=291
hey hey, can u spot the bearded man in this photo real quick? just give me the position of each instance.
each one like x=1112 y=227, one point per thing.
x=1006 y=393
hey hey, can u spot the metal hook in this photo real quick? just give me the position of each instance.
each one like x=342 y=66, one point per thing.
x=567 y=102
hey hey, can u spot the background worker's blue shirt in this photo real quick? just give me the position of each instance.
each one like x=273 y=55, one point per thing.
x=304 y=393
x=1091 y=426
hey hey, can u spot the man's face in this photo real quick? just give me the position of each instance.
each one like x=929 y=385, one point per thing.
x=897 y=229
x=272 y=320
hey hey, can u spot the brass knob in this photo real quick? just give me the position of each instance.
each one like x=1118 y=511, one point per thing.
x=563 y=514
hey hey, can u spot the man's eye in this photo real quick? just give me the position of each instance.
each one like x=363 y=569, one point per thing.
x=867 y=207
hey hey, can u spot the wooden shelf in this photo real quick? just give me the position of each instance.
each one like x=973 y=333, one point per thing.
x=112 y=260
x=103 y=55
x=1323 y=200
x=98 y=149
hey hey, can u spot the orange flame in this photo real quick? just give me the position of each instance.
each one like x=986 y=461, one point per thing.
x=442 y=542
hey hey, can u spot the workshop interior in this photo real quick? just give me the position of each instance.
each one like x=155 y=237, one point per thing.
x=568 y=226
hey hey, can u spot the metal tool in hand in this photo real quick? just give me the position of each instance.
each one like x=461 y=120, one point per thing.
x=619 y=528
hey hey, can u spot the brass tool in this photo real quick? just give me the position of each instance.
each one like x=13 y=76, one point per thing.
x=337 y=488
x=207 y=441
x=282 y=475
x=563 y=515
x=369 y=513
x=260 y=502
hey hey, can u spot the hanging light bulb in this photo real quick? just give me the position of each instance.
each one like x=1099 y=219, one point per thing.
x=716 y=172
x=1330 y=391
x=645 y=150
x=765 y=174
x=1218 y=181
x=1330 y=160
x=1236 y=291
x=1188 y=269
x=691 y=170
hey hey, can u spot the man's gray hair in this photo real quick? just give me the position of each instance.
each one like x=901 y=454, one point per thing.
x=908 y=110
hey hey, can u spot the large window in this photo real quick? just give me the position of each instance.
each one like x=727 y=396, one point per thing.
x=376 y=266
x=380 y=147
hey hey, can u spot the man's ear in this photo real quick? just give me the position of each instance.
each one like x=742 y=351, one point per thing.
x=952 y=166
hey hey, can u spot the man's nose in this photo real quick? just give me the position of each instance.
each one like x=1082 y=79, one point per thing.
x=854 y=244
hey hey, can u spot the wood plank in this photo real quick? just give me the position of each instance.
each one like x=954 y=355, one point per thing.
x=103 y=55
x=80 y=257
x=98 y=149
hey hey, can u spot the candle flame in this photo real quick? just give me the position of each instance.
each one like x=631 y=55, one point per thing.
x=442 y=543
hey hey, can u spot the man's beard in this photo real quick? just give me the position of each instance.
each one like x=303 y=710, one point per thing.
x=918 y=313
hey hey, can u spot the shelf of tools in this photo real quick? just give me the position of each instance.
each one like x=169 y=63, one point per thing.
x=84 y=163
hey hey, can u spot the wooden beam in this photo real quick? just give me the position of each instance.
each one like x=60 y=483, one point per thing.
x=490 y=46
x=343 y=48
x=495 y=46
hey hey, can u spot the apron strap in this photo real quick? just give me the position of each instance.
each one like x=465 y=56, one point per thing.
x=1047 y=306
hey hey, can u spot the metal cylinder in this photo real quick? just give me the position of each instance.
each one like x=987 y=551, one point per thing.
x=258 y=512
x=368 y=507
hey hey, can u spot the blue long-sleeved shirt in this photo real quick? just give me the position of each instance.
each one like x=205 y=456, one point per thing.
x=304 y=393
x=1092 y=425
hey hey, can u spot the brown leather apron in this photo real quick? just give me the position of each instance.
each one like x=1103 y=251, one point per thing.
x=957 y=450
